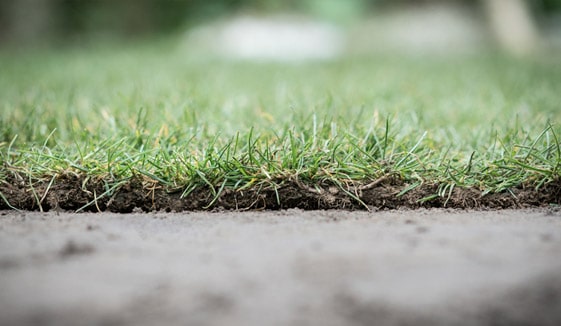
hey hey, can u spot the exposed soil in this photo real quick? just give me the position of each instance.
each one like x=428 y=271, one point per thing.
x=75 y=192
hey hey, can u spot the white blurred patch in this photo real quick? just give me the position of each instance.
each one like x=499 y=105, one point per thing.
x=444 y=28
x=276 y=38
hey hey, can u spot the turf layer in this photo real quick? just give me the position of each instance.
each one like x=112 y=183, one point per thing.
x=155 y=128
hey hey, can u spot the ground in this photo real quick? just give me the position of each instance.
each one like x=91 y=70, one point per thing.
x=401 y=267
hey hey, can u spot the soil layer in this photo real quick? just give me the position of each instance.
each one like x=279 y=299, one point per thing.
x=74 y=192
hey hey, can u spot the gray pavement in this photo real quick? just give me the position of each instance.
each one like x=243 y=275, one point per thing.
x=424 y=267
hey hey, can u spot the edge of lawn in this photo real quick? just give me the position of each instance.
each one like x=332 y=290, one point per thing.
x=79 y=192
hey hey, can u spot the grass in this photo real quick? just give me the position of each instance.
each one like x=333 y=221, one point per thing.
x=190 y=124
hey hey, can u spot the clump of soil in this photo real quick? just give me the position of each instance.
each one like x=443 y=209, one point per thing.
x=75 y=192
x=72 y=248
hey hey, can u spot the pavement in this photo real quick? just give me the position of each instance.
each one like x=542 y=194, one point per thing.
x=294 y=267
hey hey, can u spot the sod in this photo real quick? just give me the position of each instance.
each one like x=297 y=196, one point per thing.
x=151 y=127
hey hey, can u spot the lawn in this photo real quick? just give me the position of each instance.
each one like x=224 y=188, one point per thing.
x=153 y=127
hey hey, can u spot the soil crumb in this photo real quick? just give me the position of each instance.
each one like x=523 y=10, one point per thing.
x=72 y=248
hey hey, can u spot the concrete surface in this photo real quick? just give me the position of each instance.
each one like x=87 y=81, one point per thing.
x=425 y=267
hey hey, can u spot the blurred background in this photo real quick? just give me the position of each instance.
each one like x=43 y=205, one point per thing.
x=515 y=26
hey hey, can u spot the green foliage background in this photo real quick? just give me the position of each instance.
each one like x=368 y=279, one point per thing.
x=75 y=20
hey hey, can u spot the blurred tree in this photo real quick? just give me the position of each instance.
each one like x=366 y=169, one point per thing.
x=34 y=20
x=549 y=5
x=25 y=20
x=513 y=25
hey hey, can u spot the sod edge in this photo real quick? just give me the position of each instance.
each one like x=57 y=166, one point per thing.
x=74 y=192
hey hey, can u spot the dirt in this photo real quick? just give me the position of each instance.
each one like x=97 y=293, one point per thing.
x=75 y=192
x=286 y=267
